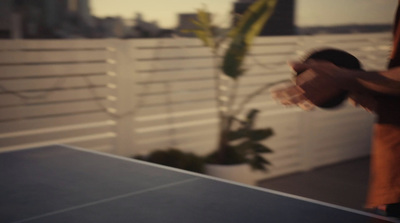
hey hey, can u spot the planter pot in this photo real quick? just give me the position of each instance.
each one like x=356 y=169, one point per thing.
x=241 y=173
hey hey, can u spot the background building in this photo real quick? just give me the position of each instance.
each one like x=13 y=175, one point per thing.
x=282 y=21
x=53 y=18
x=5 y=18
x=185 y=23
x=50 y=19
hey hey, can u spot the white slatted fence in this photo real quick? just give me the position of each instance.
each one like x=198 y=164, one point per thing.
x=51 y=91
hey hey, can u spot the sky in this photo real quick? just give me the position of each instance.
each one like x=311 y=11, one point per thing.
x=308 y=12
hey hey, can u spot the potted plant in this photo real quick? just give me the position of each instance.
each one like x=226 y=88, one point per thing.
x=175 y=158
x=238 y=141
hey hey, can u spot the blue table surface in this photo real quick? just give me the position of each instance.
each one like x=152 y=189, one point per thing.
x=64 y=184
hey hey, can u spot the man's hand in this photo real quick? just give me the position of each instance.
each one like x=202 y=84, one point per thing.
x=327 y=69
x=290 y=94
x=320 y=80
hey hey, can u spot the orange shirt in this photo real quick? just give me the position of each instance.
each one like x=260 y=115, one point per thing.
x=385 y=156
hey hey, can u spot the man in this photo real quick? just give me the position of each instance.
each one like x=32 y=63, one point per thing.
x=378 y=92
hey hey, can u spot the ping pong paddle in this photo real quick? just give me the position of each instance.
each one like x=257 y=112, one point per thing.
x=332 y=96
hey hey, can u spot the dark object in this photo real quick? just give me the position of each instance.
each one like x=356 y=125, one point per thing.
x=282 y=21
x=341 y=59
x=248 y=147
x=175 y=158
x=393 y=210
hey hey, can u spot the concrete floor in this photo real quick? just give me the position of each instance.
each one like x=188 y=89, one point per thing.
x=343 y=184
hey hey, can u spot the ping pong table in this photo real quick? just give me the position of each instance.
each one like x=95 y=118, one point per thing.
x=59 y=183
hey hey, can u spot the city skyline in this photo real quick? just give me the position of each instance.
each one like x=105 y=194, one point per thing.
x=308 y=12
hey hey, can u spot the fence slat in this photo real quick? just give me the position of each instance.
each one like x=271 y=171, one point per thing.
x=59 y=96
x=52 y=122
x=58 y=133
x=52 y=44
x=174 y=64
x=43 y=110
x=58 y=82
x=72 y=141
x=22 y=57
x=10 y=71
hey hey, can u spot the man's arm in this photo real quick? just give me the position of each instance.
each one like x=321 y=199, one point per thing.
x=320 y=80
x=321 y=75
x=387 y=82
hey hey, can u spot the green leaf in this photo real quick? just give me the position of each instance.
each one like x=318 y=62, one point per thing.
x=204 y=31
x=246 y=145
x=257 y=166
x=260 y=134
x=249 y=26
x=251 y=117
x=260 y=148
x=254 y=147
x=238 y=134
x=252 y=114
x=203 y=16
x=229 y=155
x=254 y=19
x=197 y=23
x=233 y=58
x=204 y=37
x=258 y=163
x=261 y=159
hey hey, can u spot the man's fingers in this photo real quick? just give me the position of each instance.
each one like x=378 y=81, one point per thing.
x=306 y=105
x=286 y=92
x=298 y=67
x=300 y=101
x=290 y=94
x=353 y=102
x=293 y=99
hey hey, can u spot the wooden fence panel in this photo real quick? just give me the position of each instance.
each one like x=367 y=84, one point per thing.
x=45 y=56
x=57 y=91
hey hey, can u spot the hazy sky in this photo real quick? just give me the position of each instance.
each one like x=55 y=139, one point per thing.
x=308 y=12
